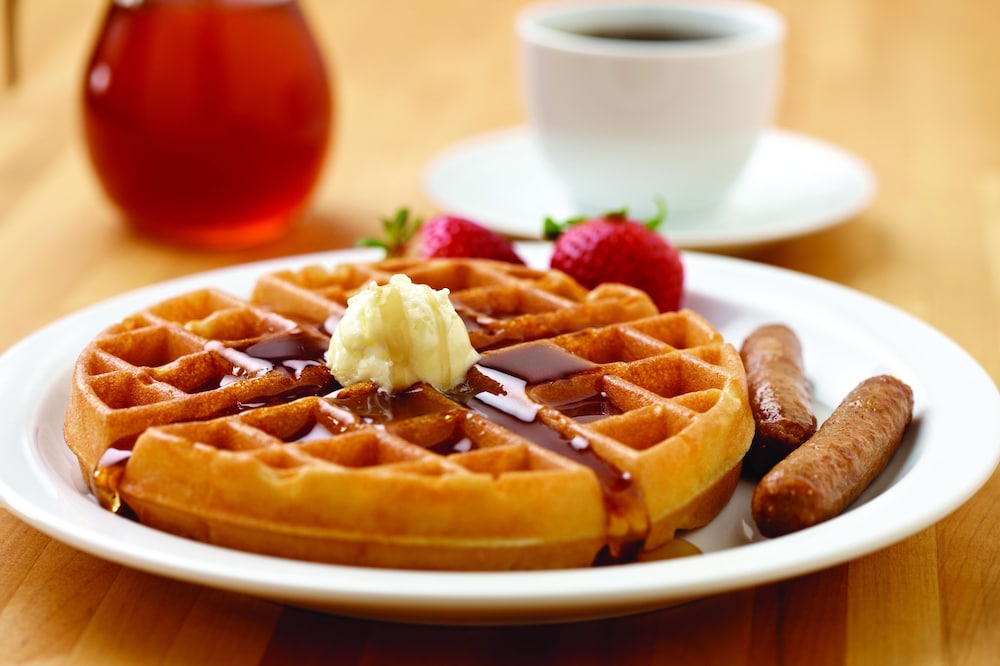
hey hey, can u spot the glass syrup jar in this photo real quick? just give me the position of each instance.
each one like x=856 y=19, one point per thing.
x=208 y=121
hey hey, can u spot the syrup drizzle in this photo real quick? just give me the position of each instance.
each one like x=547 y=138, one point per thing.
x=289 y=353
x=452 y=445
x=304 y=390
x=508 y=374
x=107 y=477
x=515 y=369
x=295 y=355
x=517 y=412
x=292 y=347
x=589 y=408
x=375 y=406
x=537 y=362
x=317 y=429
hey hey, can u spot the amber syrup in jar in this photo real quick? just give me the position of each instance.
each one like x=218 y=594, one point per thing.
x=207 y=121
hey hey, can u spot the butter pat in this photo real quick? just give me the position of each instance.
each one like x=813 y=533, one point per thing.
x=399 y=334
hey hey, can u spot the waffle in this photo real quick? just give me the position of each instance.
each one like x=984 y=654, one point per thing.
x=591 y=426
x=500 y=303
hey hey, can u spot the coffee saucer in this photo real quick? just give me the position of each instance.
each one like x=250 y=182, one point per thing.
x=793 y=185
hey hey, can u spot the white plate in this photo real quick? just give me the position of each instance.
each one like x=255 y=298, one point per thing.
x=793 y=185
x=946 y=456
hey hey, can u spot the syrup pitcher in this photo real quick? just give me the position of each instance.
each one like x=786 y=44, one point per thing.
x=207 y=121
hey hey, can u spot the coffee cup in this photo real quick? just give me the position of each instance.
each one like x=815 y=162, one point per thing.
x=631 y=104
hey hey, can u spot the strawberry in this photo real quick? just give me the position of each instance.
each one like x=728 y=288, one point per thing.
x=443 y=236
x=614 y=248
x=450 y=236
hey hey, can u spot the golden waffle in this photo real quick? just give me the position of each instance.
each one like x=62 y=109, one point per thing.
x=561 y=446
x=181 y=360
x=175 y=361
x=501 y=303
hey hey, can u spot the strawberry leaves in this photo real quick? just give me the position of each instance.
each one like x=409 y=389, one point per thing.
x=397 y=232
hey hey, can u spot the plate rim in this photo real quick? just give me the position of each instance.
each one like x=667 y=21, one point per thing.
x=483 y=597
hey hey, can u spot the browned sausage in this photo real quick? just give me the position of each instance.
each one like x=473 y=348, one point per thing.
x=822 y=477
x=780 y=397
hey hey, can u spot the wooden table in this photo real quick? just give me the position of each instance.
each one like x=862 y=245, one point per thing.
x=913 y=88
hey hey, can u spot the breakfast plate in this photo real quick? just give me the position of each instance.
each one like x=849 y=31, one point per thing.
x=793 y=185
x=946 y=456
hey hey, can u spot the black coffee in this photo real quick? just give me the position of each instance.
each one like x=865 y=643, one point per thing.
x=650 y=33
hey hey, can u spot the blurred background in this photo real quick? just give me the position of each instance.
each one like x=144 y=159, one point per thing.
x=922 y=114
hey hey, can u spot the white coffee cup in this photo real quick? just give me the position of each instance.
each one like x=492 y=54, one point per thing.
x=670 y=106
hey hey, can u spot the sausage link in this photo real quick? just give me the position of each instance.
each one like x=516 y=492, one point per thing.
x=780 y=396
x=822 y=477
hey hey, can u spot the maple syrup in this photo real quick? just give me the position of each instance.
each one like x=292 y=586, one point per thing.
x=291 y=348
x=515 y=369
x=295 y=354
x=497 y=389
x=537 y=362
x=589 y=408
x=315 y=429
x=107 y=477
x=208 y=122
x=372 y=405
